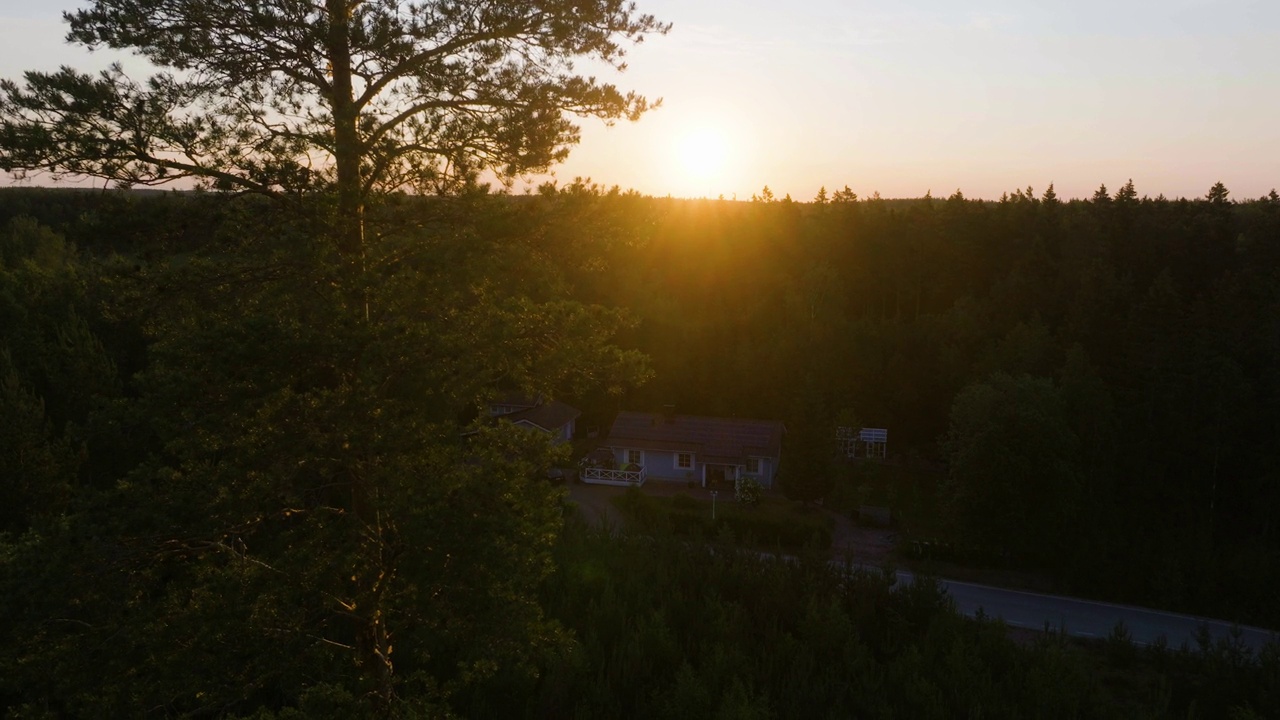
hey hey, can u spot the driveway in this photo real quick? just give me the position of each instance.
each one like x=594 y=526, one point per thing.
x=595 y=502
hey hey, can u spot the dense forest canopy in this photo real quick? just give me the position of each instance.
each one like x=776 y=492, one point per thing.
x=215 y=448
x=1102 y=370
x=216 y=457
x=248 y=469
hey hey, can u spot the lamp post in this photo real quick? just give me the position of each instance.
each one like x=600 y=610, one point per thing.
x=713 y=506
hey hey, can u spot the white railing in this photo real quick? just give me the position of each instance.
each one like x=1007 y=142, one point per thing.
x=618 y=478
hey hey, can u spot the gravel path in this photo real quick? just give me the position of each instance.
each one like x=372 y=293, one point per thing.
x=595 y=504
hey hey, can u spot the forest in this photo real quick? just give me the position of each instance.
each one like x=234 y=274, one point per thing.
x=236 y=488
x=247 y=470
x=1087 y=388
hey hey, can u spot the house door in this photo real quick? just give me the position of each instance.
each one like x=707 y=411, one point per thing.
x=719 y=477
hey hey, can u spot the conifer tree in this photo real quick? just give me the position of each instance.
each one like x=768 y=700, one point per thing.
x=1218 y=194
x=1127 y=194
x=357 y=96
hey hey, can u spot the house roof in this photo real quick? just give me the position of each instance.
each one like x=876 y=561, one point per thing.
x=710 y=436
x=517 y=400
x=548 y=416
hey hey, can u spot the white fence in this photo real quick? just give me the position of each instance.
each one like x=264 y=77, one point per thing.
x=617 y=478
x=864 y=443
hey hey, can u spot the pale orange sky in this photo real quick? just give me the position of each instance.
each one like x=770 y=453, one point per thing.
x=914 y=96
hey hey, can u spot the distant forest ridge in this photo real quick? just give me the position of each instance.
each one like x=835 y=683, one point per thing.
x=239 y=465
x=825 y=194
x=1089 y=387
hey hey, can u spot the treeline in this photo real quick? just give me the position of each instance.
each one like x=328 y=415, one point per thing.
x=144 y=222
x=1097 y=377
x=1094 y=378
x=242 y=473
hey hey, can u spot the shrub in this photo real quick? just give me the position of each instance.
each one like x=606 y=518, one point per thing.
x=747 y=491
x=771 y=525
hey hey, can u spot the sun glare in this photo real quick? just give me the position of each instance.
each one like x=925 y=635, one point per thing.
x=703 y=156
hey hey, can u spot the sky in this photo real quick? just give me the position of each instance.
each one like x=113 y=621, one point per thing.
x=904 y=98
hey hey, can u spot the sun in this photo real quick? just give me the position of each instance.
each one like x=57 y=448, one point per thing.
x=703 y=155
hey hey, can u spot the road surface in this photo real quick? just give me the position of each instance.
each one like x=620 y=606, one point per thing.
x=1088 y=618
x=1021 y=609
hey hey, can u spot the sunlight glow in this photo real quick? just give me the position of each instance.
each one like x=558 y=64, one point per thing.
x=703 y=154
x=704 y=159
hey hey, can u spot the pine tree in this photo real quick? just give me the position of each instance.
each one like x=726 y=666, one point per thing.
x=357 y=97
x=1127 y=194
x=1218 y=194
x=1050 y=196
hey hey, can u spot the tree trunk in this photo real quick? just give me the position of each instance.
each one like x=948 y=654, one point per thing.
x=372 y=637
x=346 y=140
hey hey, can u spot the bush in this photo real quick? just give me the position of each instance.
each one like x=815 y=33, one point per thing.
x=747 y=491
x=780 y=526
x=769 y=525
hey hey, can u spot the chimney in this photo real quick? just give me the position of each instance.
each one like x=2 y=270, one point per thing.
x=669 y=414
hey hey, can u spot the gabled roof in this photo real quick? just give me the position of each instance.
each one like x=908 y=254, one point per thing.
x=549 y=416
x=710 y=436
x=517 y=400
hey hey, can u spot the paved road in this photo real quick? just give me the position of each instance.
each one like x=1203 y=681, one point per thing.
x=1088 y=618
x=1078 y=618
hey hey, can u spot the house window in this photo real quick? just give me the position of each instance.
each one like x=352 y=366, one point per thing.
x=753 y=466
x=684 y=461
x=635 y=457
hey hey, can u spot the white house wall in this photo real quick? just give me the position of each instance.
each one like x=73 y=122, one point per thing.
x=661 y=465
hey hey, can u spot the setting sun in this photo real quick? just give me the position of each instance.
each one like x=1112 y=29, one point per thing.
x=703 y=154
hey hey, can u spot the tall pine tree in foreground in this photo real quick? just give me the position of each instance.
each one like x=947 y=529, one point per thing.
x=314 y=527
x=357 y=96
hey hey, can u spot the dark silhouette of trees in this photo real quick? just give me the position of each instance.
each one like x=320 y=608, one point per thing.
x=1014 y=464
x=1151 y=318
x=288 y=494
x=1087 y=386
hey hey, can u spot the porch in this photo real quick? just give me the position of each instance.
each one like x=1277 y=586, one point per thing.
x=616 y=478
x=720 y=475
